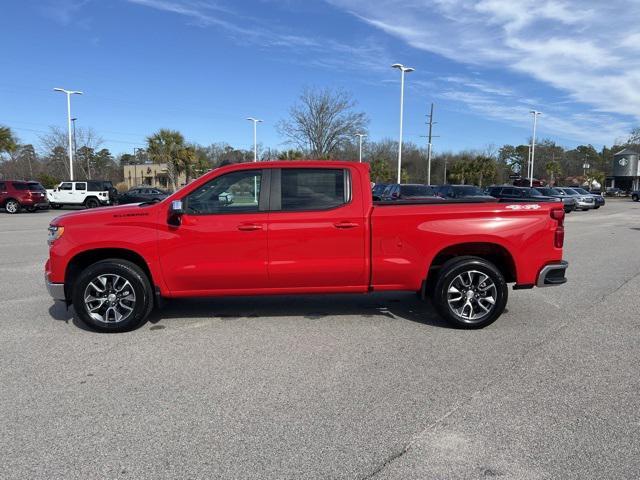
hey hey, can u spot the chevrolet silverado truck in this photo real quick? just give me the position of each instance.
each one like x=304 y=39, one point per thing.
x=304 y=227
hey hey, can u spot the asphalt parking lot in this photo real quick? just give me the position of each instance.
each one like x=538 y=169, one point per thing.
x=352 y=387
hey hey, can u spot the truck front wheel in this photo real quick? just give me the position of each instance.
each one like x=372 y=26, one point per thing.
x=470 y=292
x=113 y=295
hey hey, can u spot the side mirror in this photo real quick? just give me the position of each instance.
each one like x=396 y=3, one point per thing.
x=175 y=213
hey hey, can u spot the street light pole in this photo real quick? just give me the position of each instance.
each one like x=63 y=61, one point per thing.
x=360 y=135
x=255 y=154
x=403 y=70
x=135 y=163
x=533 y=143
x=69 y=93
x=255 y=136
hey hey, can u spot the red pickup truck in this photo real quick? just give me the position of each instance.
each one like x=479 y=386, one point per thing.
x=300 y=227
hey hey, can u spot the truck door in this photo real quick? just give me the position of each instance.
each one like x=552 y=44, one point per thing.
x=317 y=230
x=64 y=193
x=221 y=244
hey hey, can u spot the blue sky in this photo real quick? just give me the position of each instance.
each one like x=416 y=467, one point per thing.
x=203 y=66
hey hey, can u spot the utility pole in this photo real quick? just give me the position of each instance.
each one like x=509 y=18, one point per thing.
x=135 y=163
x=360 y=135
x=431 y=122
x=75 y=146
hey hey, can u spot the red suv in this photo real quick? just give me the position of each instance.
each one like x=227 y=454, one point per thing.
x=15 y=194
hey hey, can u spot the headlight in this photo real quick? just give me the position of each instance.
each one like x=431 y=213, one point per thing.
x=55 y=232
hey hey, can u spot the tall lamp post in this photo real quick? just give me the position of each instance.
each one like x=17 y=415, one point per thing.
x=403 y=70
x=360 y=135
x=533 y=143
x=255 y=153
x=69 y=93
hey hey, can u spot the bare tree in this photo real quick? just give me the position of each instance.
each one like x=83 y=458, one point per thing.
x=322 y=121
x=57 y=139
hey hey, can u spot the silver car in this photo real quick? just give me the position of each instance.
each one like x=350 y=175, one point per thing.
x=583 y=202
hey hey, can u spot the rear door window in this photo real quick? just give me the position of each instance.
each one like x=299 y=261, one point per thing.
x=313 y=188
x=81 y=186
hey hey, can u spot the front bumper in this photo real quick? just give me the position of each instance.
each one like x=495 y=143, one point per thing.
x=552 y=275
x=56 y=290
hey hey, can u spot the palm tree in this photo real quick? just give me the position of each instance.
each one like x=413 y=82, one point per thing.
x=165 y=146
x=552 y=168
x=484 y=168
x=8 y=142
x=460 y=171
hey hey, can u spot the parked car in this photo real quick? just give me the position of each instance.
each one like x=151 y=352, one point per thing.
x=87 y=194
x=408 y=191
x=314 y=229
x=468 y=192
x=614 y=192
x=599 y=199
x=16 y=195
x=142 y=194
x=378 y=190
x=635 y=196
x=519 y=194
x=525 y=182
x=583 y=202
x=569 y=203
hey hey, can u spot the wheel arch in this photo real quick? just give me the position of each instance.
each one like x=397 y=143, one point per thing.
x=492 y=252
x=88 y=257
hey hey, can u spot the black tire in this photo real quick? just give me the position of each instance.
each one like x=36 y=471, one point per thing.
x=91 y=203
x=31 y=209
x=635 y=198
x=138 y=280
x=596 y=207
x=449 y=277
x=12 y=206
x=55 y=206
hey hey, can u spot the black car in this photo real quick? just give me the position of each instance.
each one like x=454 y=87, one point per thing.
x=635 y=196
x=519 y=194
x=468 y=192
x=569 y=203
x=409 y=191
x=142 y=194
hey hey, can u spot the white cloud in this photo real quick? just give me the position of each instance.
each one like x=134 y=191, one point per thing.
x=586 y=49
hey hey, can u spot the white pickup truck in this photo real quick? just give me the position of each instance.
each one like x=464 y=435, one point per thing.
x=88 y=194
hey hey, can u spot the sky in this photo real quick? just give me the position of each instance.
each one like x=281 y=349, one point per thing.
x=203 y=66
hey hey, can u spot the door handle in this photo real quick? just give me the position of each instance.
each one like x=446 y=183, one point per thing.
x=249 y=227
x=345 y=225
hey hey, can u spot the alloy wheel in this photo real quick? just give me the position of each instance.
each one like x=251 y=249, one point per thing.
x=472 y=295
x=109 y=298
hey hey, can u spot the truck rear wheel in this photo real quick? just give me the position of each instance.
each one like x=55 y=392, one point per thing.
x=470 y=292
x=113 y=295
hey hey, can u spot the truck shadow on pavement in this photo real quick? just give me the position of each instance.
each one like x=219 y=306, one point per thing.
x=396 y=306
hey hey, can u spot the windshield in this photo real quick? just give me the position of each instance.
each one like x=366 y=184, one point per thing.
x=467 y=191
x=416 y=191
x=535 y=193
x=581 y=190
x=571 y=191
